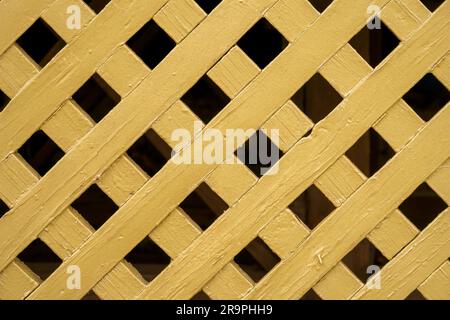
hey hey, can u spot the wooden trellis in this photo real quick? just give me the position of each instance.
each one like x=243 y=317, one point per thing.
x=366 y=207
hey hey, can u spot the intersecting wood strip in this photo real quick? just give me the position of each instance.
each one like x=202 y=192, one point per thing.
x=154 y=179
x=65 y=74
x=115 y=131
x=240 y=82
x=236 y=217
x=177 y=221
x=68 y=231
x=358 y=215
x=17 y=16
x=437 y=285
x=412 y=266
x=70 y=116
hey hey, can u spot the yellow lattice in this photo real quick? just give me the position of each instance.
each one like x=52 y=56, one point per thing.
x=206 y=44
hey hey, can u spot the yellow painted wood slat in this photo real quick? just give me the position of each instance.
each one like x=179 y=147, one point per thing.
x=437 y=285
x=366 y=207
x=69 y=116
x=414 y=263
x=357 y=216
x=343 y=8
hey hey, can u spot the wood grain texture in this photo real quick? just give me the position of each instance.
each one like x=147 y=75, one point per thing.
x=40 y=206
x=175 y=172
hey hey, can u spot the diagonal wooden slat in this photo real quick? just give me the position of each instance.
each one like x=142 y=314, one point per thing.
x=414 y=263
x=340 y=7
x=66 y=118
x=231 y=282
x=237 y=219
x=252 y=201
x=357 y=216
x=3 y=220
x=65 y=74
x=17 y=16
x=64 y=242
x=437 y=285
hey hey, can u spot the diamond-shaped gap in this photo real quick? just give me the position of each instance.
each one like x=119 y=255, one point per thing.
x=96 y=97
x=41 y=152
x=201 y=295
x=3 y=208
x=4 y=100
x=361 y=257
x=41 y=42
x=203 y=206
x=320 y=5
x=151 y=43
x=148 y=258
x=95 y=206
x=427 y=97
x=97 y=5
x=40 y=258
x=208 y=5
x=374 y=45
x=370 y=153
x=150 y=152
x=317 y=98
x=257 y=259
x=415 y=295
x=262 y=43
x=422 y=206
x=310 y=295
x=432 y=5
x=312 y=206
x=259 y=153
x=205 y=99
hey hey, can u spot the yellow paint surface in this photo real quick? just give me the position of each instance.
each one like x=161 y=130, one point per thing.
x=206 y=44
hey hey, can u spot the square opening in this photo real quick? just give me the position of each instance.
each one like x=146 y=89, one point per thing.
x=40 y=259
x=203 y=206
x=427 y=97
x=4 y=100
x=96 y=97
x=370 y=153
x=151 y=43
x=432 y=5
x=95 y=206
x=148 y=258
x=41 y=42
x=259 y=153
x=41 y=152
x=320 y=5
x=150 y=152
x=364 y=260
x=97 y=5
x=208 y=5
x=374 y=45
x=257 y=259
x=321 y=96
x=422 y=206
x=205 y=99
x=262 y=43
x=311 y=207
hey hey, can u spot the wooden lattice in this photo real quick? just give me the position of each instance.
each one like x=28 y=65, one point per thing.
x=40 y=207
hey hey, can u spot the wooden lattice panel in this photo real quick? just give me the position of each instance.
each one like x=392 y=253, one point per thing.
x=42 y=97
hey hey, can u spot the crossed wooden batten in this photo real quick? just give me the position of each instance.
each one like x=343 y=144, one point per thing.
x=40 y=207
